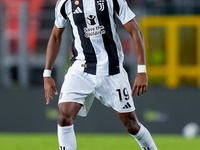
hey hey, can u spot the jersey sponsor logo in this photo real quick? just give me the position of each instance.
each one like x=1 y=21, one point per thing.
x=77 y=11
x=101 y=5
x=91 y=20
x=98 y=30
x=93 y=31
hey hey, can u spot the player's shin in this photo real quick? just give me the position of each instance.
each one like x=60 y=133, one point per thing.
x=144 y=139
x=66 y=138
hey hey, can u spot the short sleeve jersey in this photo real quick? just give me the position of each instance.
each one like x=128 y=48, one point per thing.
x=96 y=43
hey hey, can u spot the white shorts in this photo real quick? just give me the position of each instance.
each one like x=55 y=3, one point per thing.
x=113 y=91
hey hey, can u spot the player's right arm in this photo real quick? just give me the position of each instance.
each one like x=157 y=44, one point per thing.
x=51 y=54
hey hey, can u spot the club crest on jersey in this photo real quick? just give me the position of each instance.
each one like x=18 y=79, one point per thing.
x=101 y=5
x=76 y=2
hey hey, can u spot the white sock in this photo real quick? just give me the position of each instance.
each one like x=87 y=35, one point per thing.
x=66 y=138
x=144 y=139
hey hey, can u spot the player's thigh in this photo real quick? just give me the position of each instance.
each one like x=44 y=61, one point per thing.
x=76 y=87
x=115 y=91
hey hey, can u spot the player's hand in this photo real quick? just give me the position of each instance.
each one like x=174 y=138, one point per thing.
x=49 y=86
x=140 y=84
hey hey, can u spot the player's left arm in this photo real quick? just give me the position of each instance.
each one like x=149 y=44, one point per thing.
x=140 y=83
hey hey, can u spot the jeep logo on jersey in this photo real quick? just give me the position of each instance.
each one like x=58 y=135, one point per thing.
x=91 y=20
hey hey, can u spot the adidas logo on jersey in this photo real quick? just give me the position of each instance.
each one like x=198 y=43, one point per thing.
x=77 y=11
x=127 y=106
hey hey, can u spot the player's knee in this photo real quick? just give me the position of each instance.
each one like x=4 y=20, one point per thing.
x=131 y=126
x=133 y=129
x=130 y=122
x=65 y=119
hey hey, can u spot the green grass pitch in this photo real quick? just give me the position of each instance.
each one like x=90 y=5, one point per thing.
x=41 y=141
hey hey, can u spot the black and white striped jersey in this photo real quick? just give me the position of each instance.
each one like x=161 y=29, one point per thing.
x=96 y=43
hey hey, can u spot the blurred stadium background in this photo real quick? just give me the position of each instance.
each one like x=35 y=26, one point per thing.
x=171 y=30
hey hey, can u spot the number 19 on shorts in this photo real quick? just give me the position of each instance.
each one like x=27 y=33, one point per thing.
x=123 y=92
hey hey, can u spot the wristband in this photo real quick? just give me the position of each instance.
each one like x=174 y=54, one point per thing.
x=141 y=69
x=47 y=73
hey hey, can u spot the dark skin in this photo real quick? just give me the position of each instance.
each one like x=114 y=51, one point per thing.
x=69 y=110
